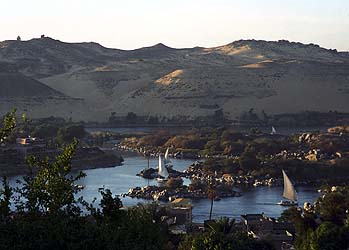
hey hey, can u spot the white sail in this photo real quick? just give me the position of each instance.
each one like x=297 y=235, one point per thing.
x=167 y=159
x=273 y=131
x=162 y=169
x=289 y=191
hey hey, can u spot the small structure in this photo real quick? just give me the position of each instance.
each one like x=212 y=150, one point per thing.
x=26 y=141
x=181 y=210
x=259 y=226
x=29 y=145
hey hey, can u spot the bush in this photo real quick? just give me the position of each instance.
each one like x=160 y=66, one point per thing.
x=174 y=183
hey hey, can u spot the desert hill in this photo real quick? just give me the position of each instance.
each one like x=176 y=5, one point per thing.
x=16 y=85
x=274 y=77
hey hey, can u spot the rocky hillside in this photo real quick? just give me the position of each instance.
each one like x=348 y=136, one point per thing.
x=275 y=77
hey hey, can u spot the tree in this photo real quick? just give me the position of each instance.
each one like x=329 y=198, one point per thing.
x=131 y=117
x=324 y=226
x=110 y=205
x=8 y=124
x=45 y=131
x=213 y=146
x=174 y=183
x=48 y=214
x=52 y=189
x=69 y=133
x=5 y=199
x=248 y=160
x=223 y=235
x=211 y=193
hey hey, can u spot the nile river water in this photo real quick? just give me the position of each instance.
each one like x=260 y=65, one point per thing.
x=121 y=178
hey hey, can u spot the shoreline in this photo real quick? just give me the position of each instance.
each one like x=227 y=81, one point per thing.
x=81 y=161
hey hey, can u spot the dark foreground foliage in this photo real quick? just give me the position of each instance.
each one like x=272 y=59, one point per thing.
x=222 y=235
x=48 y=216
x=324 y=225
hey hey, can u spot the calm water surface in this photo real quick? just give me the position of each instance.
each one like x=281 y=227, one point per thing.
x=120 y=179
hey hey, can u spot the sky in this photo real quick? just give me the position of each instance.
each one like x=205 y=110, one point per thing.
x=130 y=24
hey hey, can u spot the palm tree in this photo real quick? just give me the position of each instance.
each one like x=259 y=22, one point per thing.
x=223 y=225
x=211 y=193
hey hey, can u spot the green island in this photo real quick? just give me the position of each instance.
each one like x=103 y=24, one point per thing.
x=245 y=159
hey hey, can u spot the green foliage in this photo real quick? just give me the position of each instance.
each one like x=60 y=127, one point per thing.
x=223 y=235
x=8 y=124
x=137 y=228
x=211 y=166
x=153 y=140
x=325 y=225
x=248 y=160
x=231 y=135
x=52 y=188
x=267 y=146
x=45 y=131
x=290 y=215
x=174 y=183
x=213 y=146
x=230 y=166
x=197 y=185
x=255 y=131
x=69 y=133
x=188 y=141
x=110 y=205
x=329 y=236
x=143 y=229
x=5 y=199
x=48 y=215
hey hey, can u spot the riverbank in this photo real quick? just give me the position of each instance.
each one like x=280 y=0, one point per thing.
x=12 y=162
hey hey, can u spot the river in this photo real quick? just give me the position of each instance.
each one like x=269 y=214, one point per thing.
x=140 y=130
x=121 y=178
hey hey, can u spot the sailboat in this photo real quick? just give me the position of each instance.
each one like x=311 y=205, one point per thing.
x=167 y=159
x=289 y=192
x=273 y=131
x=162 y=172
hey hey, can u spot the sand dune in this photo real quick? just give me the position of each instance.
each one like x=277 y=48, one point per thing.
x=276 y=77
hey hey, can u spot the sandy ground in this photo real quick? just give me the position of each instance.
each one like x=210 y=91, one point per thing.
x=274 y=77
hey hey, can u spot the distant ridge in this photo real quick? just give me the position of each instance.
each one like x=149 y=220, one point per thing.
x=265 y=76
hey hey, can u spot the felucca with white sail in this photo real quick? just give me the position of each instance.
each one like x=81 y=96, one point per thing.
x=162 y=170
x=167 y=159
x=273 y=131
x=289 y=192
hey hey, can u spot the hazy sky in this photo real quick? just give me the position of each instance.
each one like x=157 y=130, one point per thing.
x=129 y=24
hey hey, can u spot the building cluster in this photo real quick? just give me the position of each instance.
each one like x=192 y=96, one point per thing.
x=280 y=234
x=259 y=226
x=16 y=153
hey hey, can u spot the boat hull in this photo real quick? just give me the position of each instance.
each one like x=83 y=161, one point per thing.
x=161 y=180
x=288 y=203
